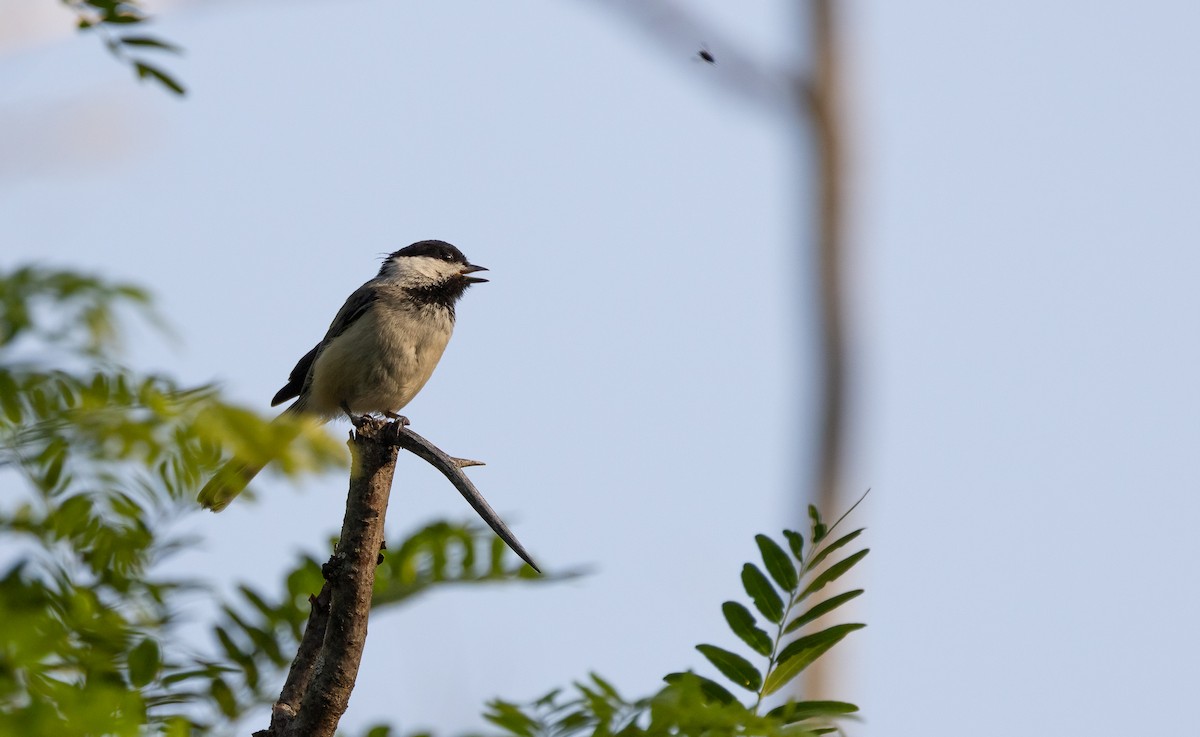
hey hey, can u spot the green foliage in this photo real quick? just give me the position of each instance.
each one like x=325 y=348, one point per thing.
x=112 y=20
x=386 y=730
x=61 y=308
x=741 y=621
x=688 y=705
x=691 y=704
x=102 y=460
x=258 y=634
x=444 y=553
x=98 y=461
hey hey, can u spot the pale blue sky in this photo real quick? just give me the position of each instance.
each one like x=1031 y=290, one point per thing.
x=635 y=374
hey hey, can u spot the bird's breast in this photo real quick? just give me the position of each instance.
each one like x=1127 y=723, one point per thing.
x=381 y=361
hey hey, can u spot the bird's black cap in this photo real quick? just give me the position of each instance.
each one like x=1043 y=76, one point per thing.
x=434 y=249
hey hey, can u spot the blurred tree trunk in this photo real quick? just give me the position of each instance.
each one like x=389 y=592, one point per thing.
x=811 y=98
x=819 y=94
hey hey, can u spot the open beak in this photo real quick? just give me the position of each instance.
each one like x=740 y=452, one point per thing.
x=471 y=269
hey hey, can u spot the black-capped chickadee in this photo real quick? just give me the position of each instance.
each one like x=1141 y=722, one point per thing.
x=379 y=351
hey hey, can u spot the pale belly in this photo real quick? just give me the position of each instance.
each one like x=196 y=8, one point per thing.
x=374 y=368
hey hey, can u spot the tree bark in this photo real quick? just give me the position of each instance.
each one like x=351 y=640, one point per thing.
x=317 y=690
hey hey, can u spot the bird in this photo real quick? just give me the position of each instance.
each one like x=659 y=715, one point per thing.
x=706 y=56
x=379 y=351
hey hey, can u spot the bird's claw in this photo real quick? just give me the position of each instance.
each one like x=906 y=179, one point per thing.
x=356 y=420
x=401 y=419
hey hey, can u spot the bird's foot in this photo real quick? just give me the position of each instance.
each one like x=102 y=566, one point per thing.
x=398 y=418
x=356 y=420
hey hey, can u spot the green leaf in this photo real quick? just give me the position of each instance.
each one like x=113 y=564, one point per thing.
x=760 y=590
x=144 y=661
x=54 y=471
x=264 y=642
x=9 y=398
x=597 y=702
x=733 y=666
x=122 y=18
x=146 y=71
x=779 y=565
x=819 y=529
x=509 y=716
x=149 y=42
x=109 y=6
x=741 y=621
x=177 y=726
x=797 y=710
x=831 y=547
x=72 y=516
x=819 y=610
x=223 y=695
x=186 y=675
x=826 y=638
x=605 y=686
x=269 y=613
x=796 y=543
x=306 y=580
x=800 y=653
x=66 y=393
x=710 y=688
x=99 y=388
x=232 y=651
x=833 y=572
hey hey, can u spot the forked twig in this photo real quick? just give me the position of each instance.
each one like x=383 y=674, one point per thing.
x=451 y=468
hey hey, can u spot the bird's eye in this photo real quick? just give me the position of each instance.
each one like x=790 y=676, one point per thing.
x=447 y=257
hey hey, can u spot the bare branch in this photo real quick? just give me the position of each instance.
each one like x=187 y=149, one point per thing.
x=318 y=686
x=739 y=73
x=350 y=578
x=451 y=468
x=300 y=674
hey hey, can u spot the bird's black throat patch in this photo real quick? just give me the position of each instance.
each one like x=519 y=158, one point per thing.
x=443 y=294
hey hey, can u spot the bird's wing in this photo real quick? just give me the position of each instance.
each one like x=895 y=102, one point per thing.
x=355 y=307
x=296 y=379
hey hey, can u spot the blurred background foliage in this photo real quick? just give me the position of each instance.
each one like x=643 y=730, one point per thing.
x=120 y=26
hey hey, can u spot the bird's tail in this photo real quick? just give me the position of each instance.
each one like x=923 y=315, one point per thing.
x=227 y=483
x=233 y=478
